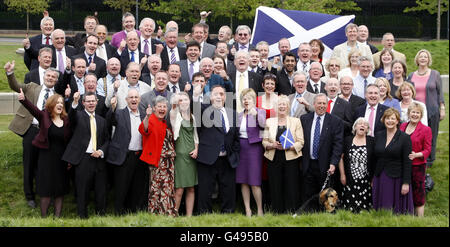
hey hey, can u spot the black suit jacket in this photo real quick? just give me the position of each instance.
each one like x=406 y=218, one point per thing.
x=79 y=120
x=310 y=89
x=165 y=57
x=355 y=102
x=212 y=138
x=110 y=51
x=70 y=52
x=373 y=49
x=361 y=112
x=124 y=59
x=343 y=111
x=76 y=41
x=100 y=64
x=236 y=46
x=30 y=56
x=393 y=159
x=284 y=85
x=101 y=108
x=180 y=84
x=254 y=81
x=118 y=146
x=33 y=76
x=330 y=145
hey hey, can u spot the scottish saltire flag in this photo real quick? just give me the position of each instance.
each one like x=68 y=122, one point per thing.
x=286 y=139
x=298 y=26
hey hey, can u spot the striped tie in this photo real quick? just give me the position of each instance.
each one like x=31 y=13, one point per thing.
x=172 y=57
x=45 y=98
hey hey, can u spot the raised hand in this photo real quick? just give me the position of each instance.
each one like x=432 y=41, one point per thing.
x=187 y=38
x=45 y=13
x=276 y=60
x=233 y=50
x=159 y=49
x=122 y=45
x=92 y=66
x=144 y=60
x=187 y=88
x=159 y=33
x=76 y=97
x=204 y=14
x=26 y=42
x=68 y=91
x=148 y=111
x=116 y=85
x=197 y=90
x=68 y=63
x=114 y=102
x=9 y=66
x=21 y=96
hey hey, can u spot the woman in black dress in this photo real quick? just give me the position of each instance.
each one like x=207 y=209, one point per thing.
x=356 y=168
x=54 y=134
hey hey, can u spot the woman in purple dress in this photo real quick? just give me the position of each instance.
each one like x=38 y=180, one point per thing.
x=251 y=122
x=392 y=181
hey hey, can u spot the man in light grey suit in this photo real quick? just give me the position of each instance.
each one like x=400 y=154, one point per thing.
x=301 y=101
x=161 y=81
x=198 y=34
x=341 y=51
x=119 y=89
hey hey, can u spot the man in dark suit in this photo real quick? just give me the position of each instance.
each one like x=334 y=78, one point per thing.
x=86 y=152
x=147 y=45
x=45 y=60
x=26 y=126
x=34 y=44
x=218 y=150
x=104 y=50
x=172 y=53
x=243 y=78
x=90 y=86
x=242 y=41
x=94 y=63
x=286 y=75
x=254 y=63
x=324 y=135
x=61 y=51
x=128 y=52
x=372 y=111
x=339 y=107
x=346 y=84
x=315 y=85
x=131 y=175
x=175 y=85
x=77 y=41
x=191 y=65
x=363 y=35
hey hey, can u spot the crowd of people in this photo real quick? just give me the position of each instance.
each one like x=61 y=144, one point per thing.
x=156 y=120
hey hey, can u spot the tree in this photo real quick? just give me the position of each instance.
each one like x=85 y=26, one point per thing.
x=183 y=10
x=28 y=6
x=433 y=7
x=126 y=5
x=331 y=7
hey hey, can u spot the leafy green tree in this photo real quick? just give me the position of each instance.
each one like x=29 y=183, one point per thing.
x=27 y=6
x=332 y=7
x=433 y=7
x=126 y=5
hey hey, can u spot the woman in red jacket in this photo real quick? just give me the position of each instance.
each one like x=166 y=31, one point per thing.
x=159 y=152
x=54 y=134
x=421 y=148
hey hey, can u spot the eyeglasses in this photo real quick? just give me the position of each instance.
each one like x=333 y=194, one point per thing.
x=334 y=65
x=242 y=34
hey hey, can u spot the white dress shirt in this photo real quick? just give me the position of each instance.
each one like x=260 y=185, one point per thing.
x=175 y=50
x=149 y=45
x=367 y=114
x=136 y=138
x=333 y=101
x=101 y=52
x=358 y=85
x=41 y=75
x=318 y=85
x=40 y=100
x=313 y=128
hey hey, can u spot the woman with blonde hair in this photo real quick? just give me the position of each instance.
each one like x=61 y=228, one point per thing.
x=385 y=94
x=353 y=69
x=284 y=160
x=406 y=93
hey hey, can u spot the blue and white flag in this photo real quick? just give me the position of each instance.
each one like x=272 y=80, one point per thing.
x=298 y=26
x=286 y=139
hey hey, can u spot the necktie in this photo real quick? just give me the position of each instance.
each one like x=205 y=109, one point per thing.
x=224 y=128
x=240 y=89
x=60 y=62
x=295 y=104
x=329 y=106
x=172 y=56
x=47 y=40
x=47 y=91
x=304 y=67
x=243 y=47
x=132 y=56
x=365 y=85
x=371 y=123
x=146 y=47
x=89 y=60
x=191 y=70
x=93 y=132
x=174 y=89
x=316 y=89
x=102 y=53
x=316 y=139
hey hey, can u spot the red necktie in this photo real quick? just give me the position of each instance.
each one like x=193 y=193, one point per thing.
x=46 y=40
x=329 y=105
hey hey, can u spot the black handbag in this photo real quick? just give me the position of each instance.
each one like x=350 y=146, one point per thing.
x=429 y=183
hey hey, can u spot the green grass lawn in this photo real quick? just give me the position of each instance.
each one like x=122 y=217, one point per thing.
x=15 y=212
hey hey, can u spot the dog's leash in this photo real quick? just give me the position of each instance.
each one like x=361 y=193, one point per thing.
x=326 y=181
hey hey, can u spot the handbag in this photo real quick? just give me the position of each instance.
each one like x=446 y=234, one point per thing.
x=429 y=183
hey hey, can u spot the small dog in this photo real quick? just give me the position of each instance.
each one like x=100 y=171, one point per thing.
x=326 y=201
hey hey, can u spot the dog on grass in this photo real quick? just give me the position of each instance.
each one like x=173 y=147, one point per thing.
x=326 y=201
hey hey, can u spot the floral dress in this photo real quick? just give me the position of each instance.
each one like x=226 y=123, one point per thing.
x=161 y=199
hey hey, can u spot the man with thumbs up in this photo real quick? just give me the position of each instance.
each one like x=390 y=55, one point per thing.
x=94 y=63
x=26 y=126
